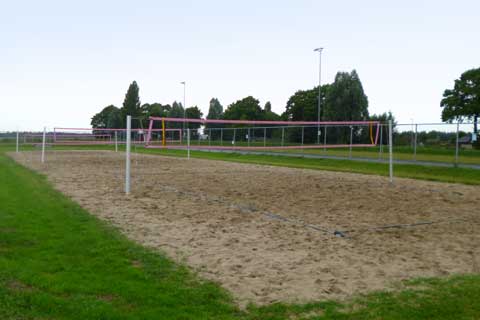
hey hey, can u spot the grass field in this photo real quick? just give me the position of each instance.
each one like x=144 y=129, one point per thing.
x=59 y=262
x=443 y=174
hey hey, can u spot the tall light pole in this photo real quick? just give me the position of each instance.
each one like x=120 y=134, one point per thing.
x=319 y=50
x=184 y=107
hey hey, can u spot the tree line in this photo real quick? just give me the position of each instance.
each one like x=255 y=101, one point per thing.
x=342 y=100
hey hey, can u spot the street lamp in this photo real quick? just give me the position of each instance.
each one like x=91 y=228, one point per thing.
x=319 y=50
x=184 y=107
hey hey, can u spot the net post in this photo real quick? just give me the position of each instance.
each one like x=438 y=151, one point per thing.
x=390 y=150
x=456 y=144
x=234 y=135
x=43 y=143
x=164 y=141
x=351 y=142
x=127 y=154
x=265 y=137
x=248 y=136
x=209 y=136
x=380 y=151
x=18 y=135
x=221 y=136
x=325 y=140
x=116 y=142
x=415 y=143
x=283 y=135
x=188 y=143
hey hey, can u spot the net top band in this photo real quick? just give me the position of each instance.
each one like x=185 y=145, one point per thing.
x=259 y=122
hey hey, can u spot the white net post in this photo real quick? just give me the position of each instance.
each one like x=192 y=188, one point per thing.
x=325 y=139
x=390 y=150
x=456 y=145
x=116 y=142
x=127 y=154
x=351 y=142
x=16 y=146
x=188 y=143
x=43 y=143
x=415 y=143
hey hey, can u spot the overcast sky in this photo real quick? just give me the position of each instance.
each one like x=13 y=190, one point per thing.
x=63 y=61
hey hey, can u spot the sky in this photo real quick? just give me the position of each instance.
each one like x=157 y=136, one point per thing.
x=63 y=61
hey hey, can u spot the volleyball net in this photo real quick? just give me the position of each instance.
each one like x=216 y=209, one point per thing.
x=267 y=135
x=98 y=136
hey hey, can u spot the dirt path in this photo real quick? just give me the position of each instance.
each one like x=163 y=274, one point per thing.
x=257 y=230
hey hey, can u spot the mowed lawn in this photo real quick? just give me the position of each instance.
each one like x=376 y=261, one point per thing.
x=59 y=262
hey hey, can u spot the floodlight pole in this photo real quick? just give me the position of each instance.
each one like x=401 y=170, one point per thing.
x=127 y=154
x=319 y=50
x=43 y=143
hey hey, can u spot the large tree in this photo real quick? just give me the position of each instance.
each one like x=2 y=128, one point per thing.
x=215 y=112
x=109 y=117
x=303 y=106
x=345 y=99
x=245 y=109
x=131 y=104
x=155 y=110
x=194 y=113
x=177 y=111
x=463 y=101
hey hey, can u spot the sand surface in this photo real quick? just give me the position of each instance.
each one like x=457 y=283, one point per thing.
x=266 y=233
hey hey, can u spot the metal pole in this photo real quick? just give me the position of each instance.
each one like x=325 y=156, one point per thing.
x=209 y=136
x=234 y=135
x=248 y=135
x=221 y=136
x=188 y=143
x=303 y=134
x=43 y=143
x=283 y=135
x=184 y=106
x=415 y=143
x=456 y=145
x=381 y=141
x=325 y=139
x=319 y=50
x=116 y=142
x=351 y=141
x=264 y=137
x=390 y=149
x=17 y=141
x=127 y=154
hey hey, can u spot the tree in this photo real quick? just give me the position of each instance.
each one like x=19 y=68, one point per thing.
x=109 y=117
x=246 y=109
x=215 y=112
x=345 y=99
x=463 y=101
x=268 y=107
x=131 y=104
x=155 y=110
x=176 y=111
x=194 y=113
x=303 y=106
